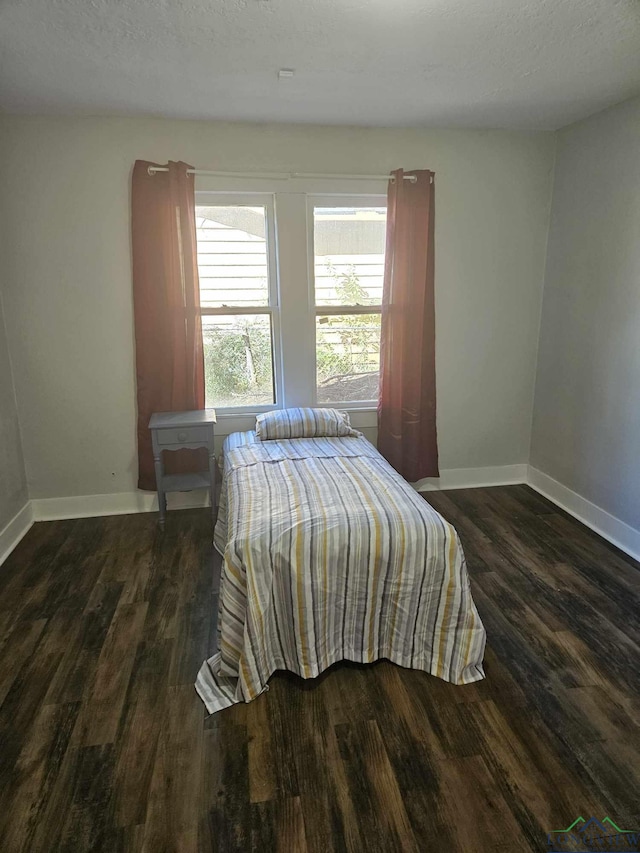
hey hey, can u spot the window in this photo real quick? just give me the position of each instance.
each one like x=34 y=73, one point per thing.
x=349 y=245
x=238 y=303
x=290 y=292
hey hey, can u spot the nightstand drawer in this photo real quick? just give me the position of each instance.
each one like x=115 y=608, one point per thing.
x=184 y=435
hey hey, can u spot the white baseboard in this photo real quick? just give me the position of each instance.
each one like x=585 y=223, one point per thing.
x=617 y=532
x=15 y=530
x=125 y=503
x=471 y=478
x=120 y=503
x=606 y=525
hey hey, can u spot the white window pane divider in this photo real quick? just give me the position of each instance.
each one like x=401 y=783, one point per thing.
x=297 y=319
x=236 y=309
x=339 y=310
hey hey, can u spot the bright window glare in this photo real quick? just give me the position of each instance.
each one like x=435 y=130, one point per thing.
x=232 y=256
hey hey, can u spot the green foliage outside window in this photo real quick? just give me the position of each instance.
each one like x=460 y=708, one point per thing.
x=358 y=334
x=237 y=360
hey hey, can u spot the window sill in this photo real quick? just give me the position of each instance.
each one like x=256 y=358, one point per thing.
x=224 y=413
x=361 y=417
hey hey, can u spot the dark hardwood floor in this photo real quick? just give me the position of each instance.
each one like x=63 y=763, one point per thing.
x=104 y=744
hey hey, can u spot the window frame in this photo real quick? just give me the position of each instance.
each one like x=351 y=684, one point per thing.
x=296 y=303
x=214 y=198
x=351 y=200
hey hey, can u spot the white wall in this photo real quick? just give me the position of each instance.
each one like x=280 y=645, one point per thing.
x=586 y=425
x=13 y=484
x=64 y=227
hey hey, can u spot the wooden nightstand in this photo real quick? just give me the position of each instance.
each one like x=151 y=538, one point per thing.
x=176 y=431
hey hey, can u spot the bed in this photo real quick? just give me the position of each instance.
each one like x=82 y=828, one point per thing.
x=329 y=555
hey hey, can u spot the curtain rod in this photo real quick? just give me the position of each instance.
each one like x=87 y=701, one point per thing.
x=283 y=176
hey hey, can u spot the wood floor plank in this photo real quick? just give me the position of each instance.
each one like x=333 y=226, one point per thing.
x=285 y=716
x=50 y=822
x=104 y=744
x=611 y=719
x=28 y=691
x=416 y=754
x=164 y=582
x=226 y=787
x=399 y=701
x=173 y=805
x=137 y=737
x=27 y=790
x=605 y=593
x=84 y=645
x=15 y=651
x=327 y=809
x=70 y=575
x=29 y=562
x=290 y=834
x=264 y=834
x=475 y=809
x=542 y=640
x=538 y=788
x=262 y=778
x=511 y=645
x=374 y=788
x=89 y=824
x=195 y=604
x=587 y=544
x=113 y=669
x=479 y=551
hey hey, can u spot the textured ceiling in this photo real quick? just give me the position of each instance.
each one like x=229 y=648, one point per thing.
x=471 y=63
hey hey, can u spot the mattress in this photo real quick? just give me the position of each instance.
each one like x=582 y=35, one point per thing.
x=329 y=555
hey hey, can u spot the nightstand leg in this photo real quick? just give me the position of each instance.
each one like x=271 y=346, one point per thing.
x=162 y=501
x=212 y=483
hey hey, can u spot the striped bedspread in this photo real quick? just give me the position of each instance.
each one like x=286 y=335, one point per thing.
x=329 y=555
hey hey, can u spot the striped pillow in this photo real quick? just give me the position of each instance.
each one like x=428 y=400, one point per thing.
x=303 y=423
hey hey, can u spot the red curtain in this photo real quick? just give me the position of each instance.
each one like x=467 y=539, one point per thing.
x=166 y=292
x=407 y=406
